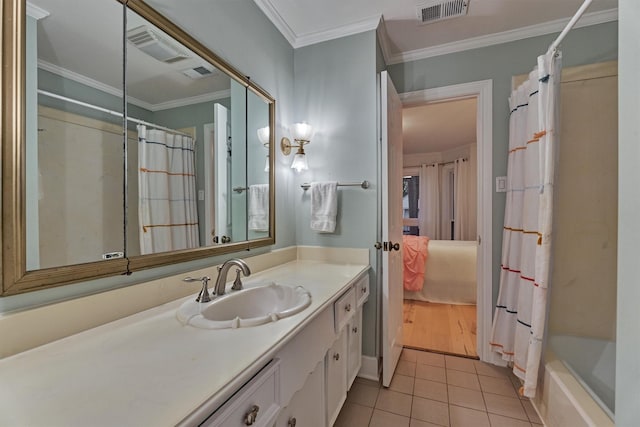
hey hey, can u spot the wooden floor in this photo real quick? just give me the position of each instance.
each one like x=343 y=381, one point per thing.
x=444 y=328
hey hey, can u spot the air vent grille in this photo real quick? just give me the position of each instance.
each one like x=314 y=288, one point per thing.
x=200 y=71
x=156 y=45
x=438 y=11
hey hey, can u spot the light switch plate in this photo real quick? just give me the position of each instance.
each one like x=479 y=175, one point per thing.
x=501 y=184
x=200 y=195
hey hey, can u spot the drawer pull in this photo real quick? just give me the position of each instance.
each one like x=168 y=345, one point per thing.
x=364 y=289
x=292 y=422
x=251 y=416
x=348 y=307
x=336 y=356
x=355 y=329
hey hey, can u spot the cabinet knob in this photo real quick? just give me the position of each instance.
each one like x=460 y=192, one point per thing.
x=292 y=422
x=336 y=356
x=348 y=307
x=364 y=289
x=355 y=329
x=251 y=416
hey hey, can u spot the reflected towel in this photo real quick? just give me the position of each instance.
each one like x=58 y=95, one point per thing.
x=324 y=206
x=414 y=258
x=259 y=207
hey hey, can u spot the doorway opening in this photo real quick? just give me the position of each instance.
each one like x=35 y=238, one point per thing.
x=457 y=321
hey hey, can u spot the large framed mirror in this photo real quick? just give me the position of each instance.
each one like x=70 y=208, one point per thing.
x=126 y=145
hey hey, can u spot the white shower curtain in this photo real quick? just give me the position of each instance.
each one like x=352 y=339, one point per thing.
x=462 y=217
x=429 y=197
x=167 y=206
x=519 y=321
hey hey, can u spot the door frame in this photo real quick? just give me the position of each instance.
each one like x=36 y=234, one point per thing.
x=483 y=91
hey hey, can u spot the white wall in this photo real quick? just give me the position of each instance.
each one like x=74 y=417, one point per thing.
x=628 y=335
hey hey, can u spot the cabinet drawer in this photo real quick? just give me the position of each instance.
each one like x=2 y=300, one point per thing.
x=260 y=396
x=362 y=290
x=344 y=308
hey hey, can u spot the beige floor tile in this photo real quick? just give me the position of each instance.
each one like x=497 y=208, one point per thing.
x=501 y=386
x=507 y=406
x=430 y=411
x=387 y=419
x=353 y=415
x=419 y=423
x=433 y=359
x=363 y=394
x=484 y=368
x=465 y=417
x=460 y=364
x=409 y=355
x=392 y=401
x=402 y=383
x=430 y=390
x=433 y=373
x=406 y=368
x=463 y=379
x=466 y=397
x=531 y=412
x=500 y=421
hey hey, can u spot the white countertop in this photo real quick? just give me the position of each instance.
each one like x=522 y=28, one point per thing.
x=149 y=369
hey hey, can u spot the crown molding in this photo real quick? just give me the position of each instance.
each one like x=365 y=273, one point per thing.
x=545 y=28
x=367 y=24
x=71 y=75
x=207 y=97
x=272 y=14
x=87 y=81
x=36 y=12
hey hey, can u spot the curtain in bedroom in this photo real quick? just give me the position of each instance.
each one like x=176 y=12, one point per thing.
x=519 y=320
x=167 y=205
x=429 y=209
x=462 y=229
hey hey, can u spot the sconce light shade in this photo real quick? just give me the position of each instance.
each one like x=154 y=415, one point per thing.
x=263 y=135
x=299 y=162
x=302 y=132
x=266 y=164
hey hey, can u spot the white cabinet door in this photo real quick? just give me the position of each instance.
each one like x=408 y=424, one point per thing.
x=306 y=408
x=354 y=356
x=336 y=378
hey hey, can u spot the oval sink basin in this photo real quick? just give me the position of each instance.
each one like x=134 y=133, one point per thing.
x=249 y=307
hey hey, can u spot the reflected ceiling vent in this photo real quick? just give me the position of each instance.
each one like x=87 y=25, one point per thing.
x=199 y=72
x=435 y=11
x=154 y=43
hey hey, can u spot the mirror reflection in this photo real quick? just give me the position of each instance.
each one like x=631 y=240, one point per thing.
x=196 y=169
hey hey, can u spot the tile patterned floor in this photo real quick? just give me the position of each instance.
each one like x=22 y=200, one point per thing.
x=433 y=390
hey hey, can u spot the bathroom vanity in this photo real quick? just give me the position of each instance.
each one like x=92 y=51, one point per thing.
x=151 y=369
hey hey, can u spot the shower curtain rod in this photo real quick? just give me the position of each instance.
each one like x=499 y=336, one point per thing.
x=569 y=26
x=106 y=110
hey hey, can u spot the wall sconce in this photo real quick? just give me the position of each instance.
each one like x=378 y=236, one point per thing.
x=263 y=136
x=302 y=133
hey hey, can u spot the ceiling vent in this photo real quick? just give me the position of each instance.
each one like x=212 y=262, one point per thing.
x=435 y=11
x=155 y=44
x=200 y=71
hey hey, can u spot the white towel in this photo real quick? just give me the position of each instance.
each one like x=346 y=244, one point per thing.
x=324 y=206
x=259 y=207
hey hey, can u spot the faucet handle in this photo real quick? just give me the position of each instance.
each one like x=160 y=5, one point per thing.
x=203 y=295
x=237 y=284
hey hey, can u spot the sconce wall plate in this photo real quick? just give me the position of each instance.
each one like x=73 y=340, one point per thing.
x=285 y=146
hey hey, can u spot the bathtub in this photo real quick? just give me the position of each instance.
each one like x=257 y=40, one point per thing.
x=579 y=382
x=450 y=275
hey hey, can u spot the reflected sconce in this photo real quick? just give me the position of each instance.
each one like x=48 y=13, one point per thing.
x=302 y=133
x=263 y=136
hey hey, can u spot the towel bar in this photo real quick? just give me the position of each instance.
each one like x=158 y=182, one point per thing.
x=363 y=184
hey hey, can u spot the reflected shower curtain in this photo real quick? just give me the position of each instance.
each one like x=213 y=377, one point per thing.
x=167 y=205
x=519 y=321
x=462 y=227
x=429 y=202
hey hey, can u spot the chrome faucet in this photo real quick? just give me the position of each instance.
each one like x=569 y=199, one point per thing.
x=223 y=270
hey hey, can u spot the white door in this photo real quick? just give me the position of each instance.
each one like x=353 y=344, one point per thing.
x=391 y=189
x=218 y=195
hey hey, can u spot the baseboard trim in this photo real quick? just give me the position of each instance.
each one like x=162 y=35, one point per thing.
x=369 y=368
